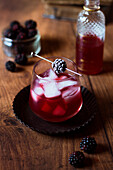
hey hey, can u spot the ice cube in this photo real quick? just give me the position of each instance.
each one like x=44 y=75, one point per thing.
x=67 y=83
x=45 y=74
x=46 y=107
x=44 y=80
x=34 y=96
x=51 y=90
x=59 y=111
x=39 y=91
x=52 y=75
x=69 y=94
x=62 y=77
x=36 y=82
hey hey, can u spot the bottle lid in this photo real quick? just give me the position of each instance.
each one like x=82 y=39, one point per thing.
x=92 y=5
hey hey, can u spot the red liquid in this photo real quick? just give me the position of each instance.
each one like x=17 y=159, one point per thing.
x=89 y=54
x=58 y=108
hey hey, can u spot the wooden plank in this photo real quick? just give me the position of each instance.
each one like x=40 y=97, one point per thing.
x=103 y=85
x=75 y=2
x=71 y=12
x=68 y=12
x=21 y=147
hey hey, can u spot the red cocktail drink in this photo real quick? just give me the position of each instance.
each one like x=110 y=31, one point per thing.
x=89 y=54
x=54 y=97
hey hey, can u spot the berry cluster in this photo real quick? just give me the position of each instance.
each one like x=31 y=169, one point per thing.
x=10 y=66
x=88 y=145
x=20 y=59
x=76 y=159
x=18 y=32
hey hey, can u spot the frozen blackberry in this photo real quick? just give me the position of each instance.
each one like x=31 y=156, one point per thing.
x=14 y=25
x=59 y=66
x=21 y=59
x=76 y=159
x=10 y=66
x=9 y=34
x=32 y=33
x=30 y=24
x=88 y=144
x=21 y=36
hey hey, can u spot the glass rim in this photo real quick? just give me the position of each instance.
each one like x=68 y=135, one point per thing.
x=71 y=76
x=20 y=41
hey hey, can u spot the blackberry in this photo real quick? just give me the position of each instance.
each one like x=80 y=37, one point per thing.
x=21 y=59
x=21 y=36
x=9 y=34
x=22 y=29
x=18 y=49
x=76 y=159
x=59 y=66
x=14 y=25
x=31 y=33
x=88 y=144
x=30 y=24
x=10 y=66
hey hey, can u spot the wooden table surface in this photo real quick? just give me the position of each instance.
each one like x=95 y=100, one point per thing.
x=24 y=149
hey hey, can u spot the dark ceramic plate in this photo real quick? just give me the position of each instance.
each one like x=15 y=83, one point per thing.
x=26 y=116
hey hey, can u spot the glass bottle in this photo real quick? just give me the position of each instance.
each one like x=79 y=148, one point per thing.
x=90 y=36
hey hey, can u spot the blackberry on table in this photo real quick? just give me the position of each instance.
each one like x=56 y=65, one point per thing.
x=76 y=159
x=21 y=59
x=30 y=24
x=10 y=66
x=59 y=66
x=88 y=144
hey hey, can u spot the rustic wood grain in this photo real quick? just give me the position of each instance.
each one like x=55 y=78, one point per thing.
x=24 y=149
x=74 y=2
x=70 y=11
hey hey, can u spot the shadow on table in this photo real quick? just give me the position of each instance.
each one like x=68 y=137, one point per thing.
x=19 y=69
x=30 y=62
x=107 y=66
x=50 y=44
x=101 y=148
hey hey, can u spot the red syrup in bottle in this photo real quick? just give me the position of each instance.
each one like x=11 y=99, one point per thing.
x=89 y=54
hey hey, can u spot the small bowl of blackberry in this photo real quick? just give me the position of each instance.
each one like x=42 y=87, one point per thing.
x=18 y=38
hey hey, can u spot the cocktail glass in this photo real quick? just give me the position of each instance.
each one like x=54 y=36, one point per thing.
x=53 y=97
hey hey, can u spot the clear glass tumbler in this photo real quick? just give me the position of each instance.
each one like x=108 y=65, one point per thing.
x=53 y=97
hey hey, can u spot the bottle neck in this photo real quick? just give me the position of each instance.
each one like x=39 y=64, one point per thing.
x=91 y=5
